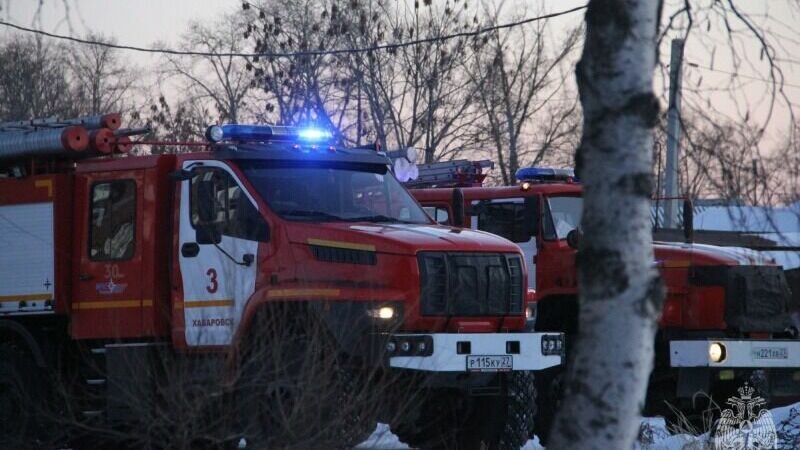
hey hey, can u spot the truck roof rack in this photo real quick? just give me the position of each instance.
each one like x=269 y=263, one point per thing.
x=457 y=173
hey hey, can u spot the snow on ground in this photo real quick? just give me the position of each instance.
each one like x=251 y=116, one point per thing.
x=653 y=435
x=382 y=439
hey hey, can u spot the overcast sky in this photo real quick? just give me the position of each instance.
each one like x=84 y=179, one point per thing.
x=145 y=22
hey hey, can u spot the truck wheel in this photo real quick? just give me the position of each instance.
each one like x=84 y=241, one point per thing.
x=550 y=390
x=521 y=409
x=20 y=408
x=451 y=420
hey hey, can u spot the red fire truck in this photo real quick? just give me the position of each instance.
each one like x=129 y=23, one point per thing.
x=729 y=316
x=139 y=264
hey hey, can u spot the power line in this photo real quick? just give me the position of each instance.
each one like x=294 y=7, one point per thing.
x=749 y=77
x=294 y=54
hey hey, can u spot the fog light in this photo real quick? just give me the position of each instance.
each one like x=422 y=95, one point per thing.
x=716 y=352
x=405 y=346
x=391 y=347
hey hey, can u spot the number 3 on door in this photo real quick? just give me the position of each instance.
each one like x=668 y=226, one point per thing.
x=212 y=281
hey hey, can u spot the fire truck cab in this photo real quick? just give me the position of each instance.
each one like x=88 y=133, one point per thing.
x=123 y=257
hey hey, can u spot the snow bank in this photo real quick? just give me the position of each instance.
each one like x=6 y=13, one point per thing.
x=653 y=435
x=382 y=439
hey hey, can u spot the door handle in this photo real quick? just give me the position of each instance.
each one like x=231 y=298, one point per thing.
x=190 y=249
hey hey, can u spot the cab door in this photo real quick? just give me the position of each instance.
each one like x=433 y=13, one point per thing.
x=515 y=219
x=107 y=282
x=220 y=228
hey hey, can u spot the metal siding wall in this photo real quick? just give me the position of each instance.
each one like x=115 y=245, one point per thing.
x=26 y=264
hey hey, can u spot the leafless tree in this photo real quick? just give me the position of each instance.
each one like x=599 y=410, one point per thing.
x=34 y=81
x=519 y=76
x=101 y=81
x=308 y=89
x=223 y=83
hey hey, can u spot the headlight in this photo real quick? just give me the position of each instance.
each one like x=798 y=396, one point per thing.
x=530 y=317
x=530 y=312
x=214 y=133
x=717 y=352
x=384 y=312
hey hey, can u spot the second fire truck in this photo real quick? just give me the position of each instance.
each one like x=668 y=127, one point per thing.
x=728 y=318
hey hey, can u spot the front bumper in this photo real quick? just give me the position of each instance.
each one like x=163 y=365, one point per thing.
x=736 y=353
x=476 y=352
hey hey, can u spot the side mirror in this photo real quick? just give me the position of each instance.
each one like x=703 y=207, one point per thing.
x=206 y=202
x=208 y=234
x=181 y=175
x=532 y=216
x=574 y=238
x=688 y=221
x=458 y=208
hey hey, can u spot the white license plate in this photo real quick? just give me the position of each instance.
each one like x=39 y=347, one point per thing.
x=770 y=353
x=489 y=363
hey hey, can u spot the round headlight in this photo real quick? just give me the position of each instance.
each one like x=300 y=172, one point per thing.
x=391 y=347
x=411 y=154
x=716 y=352
x=214 y=133
x=405 y=346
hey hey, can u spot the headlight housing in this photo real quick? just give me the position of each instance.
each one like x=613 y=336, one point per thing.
x=385 y=316
x=717 y=352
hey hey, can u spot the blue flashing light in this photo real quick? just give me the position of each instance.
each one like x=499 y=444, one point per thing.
x=544 y=173
x=314 y=134
x=261 y=133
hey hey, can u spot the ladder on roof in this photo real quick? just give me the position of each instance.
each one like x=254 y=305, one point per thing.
x=457 y=173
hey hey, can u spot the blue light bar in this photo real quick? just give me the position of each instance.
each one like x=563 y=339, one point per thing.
x=544 y=173
x=314 y=134
x=261 y=133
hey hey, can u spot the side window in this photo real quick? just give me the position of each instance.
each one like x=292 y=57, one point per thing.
x=113 y=221
x=228 y=209
x=438 y=214
x=504 y=219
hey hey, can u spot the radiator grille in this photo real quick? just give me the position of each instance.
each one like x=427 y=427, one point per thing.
x=471 y=284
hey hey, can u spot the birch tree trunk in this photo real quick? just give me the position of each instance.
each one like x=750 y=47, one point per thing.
x=620 y=290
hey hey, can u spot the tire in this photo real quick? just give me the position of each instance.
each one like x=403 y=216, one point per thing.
x=452 y=420
x=521 y=410
x=550 y=390
x=21 y=408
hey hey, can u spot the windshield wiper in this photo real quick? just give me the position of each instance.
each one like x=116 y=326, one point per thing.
x=312 y=215
x=376 y=218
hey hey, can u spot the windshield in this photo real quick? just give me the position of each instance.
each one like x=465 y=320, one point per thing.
x=564 y=215
x=331 y=192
